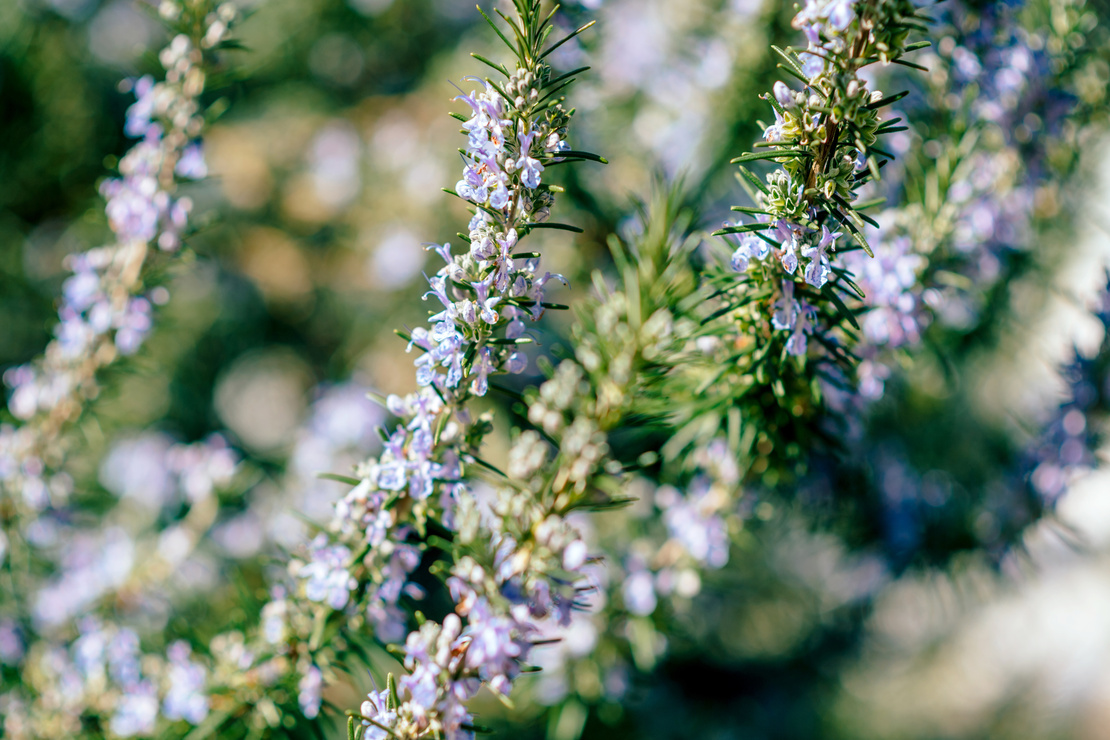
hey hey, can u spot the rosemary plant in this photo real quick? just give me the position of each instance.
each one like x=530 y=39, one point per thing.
x=419 y=494
x=787 y=284
x=107 y=308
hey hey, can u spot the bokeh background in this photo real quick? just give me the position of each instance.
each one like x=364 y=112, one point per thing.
x=326 y=177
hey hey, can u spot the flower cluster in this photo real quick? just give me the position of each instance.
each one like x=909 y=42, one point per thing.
x=990 y=119
x=1065 y=448
x=326 y=575
x=89 y=564
x=423 y=480
x=994 y=81
x=105 y=311
x=695 y=534
x=157 y=472
x=491 y=287
x=105 y=667
x=824 y=141
x=896 y=310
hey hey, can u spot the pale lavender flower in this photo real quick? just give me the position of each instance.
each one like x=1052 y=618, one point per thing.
x=638 y=590
x=694 y=520
x=136 y=468
x=798 y=342
x=431 y=652
x=783 y=94
x=774 y=132
x=818 y=270
x=11 y=643
x=328 y=579
x=539 y=291
x=483 y=367
x=191 y=164
x=186 y=698
x=100 y=303
x=390 y=621
x=140 y=112
x=376 y=707
x=812 y=64
x=124 y=657
x=750 y=247
x=274 y=618
x=516 y=363
x=786 y=308
x=789 y=255
x=497 y=644
x=889 y=281
x=136 y=711
x=133 y=325
x=203 y=468
x=309 y=692
x=530 y=168
x=485 y=301
x=500 y=199
x=825 y=17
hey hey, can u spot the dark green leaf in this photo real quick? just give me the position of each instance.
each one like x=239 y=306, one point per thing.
x=340 y=478
x=498 y=31
x=750 y=177
x=558 y=227
x=887 y=100
x=741 y=229
x=560 y=78
x=770 y=155
x=574 y=153
x=911 y=65
x=499 y=67
x=829 y=293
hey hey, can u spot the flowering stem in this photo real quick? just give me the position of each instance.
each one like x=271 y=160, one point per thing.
x=104 y=313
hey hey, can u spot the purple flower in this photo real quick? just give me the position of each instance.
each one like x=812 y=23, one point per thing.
x=783 y=94
x=516 y=327
x=133 y=325
x=786 y=308
x=191 y=164
x=818 y=270
x=328 y=579
x=539 y=292
x=841 y=14
x=812 y=64
x=797 y=343
x=136 y=711
x=472 y=186
x=186 y=698
x=142 y=110
x=392 y=476
x=483 y=366
x=496 y=646
x=638 y=591
x=82 y=290
x=516 y=363
x=694 y=521
x=499 y=200
x=789 y=256
x=751 y=246
x=530 y=168
x=774 y=132
x=134 y=207
x=309 y=692
x=377 y=709
x=485 y=301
